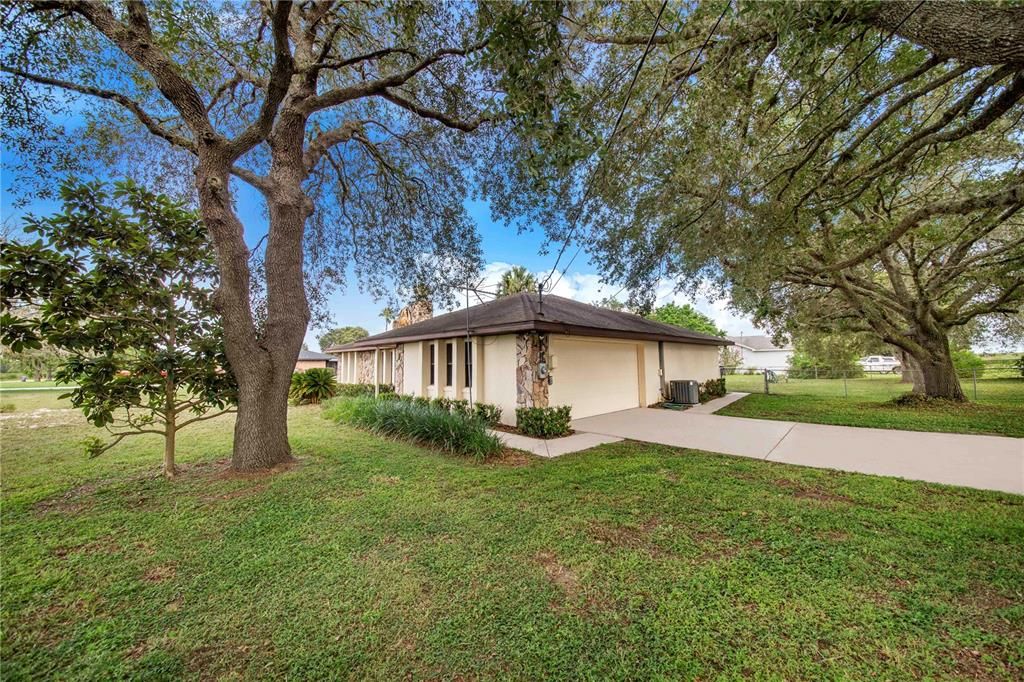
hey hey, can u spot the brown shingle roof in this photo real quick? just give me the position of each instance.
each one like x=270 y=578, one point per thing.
x=524 y=312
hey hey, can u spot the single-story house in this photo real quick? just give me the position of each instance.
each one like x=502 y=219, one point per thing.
x=526 y=350
x=760 y=352
x=309 y=359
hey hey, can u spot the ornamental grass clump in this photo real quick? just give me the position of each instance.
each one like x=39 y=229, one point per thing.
x=454 y=432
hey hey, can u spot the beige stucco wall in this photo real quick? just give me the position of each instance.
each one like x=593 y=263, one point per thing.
x=652 y=380
x=412 y=370
x=303 y=365
x=499 y=374
x=691 y=361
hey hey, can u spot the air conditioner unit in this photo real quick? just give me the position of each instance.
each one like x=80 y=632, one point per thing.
x=684 y=391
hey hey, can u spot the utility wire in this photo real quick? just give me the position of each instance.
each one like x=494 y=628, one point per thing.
x=647 y=140
x=839 y=84
x=607 y=142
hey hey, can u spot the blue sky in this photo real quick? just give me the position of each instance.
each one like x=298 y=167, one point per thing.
x=502 y=248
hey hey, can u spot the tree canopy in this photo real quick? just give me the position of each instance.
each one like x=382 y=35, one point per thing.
x=832 y=166
x=340 y=336
x=686 y=316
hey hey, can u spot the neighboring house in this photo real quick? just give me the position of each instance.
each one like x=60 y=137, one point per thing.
x=758 y=352
x=521 y=351
x=309 y=359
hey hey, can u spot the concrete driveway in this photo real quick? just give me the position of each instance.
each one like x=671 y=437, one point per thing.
x=985 y=462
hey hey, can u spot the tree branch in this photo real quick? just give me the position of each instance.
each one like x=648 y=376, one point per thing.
x=1007 y=197
x=126 y=102
x=433 y=114
x=277 y=86
x=380 y=85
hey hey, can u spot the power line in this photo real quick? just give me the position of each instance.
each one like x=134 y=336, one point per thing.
x=839 y=84
x=607 y=142
x=660 y=119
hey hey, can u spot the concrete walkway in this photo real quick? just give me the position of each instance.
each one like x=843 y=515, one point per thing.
x=985 y=462
x=555 y=446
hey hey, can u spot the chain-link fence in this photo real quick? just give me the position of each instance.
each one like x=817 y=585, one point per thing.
x=996 y=381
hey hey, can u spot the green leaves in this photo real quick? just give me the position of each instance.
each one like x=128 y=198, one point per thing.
x=121 y=281
x=686 y=316
x=313 y=386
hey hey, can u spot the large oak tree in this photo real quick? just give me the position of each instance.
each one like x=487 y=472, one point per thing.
x=833 y=165
x=358 y=123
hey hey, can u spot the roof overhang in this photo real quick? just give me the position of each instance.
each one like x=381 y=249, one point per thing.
x=532 y=326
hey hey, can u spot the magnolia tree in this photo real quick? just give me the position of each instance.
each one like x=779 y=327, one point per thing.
x=121 y=282
x=358 y=124
x=833 y=166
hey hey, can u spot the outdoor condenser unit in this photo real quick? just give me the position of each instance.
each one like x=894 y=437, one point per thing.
x=684 y=391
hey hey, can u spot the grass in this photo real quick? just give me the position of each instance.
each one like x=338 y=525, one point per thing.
x=998 y=410
x=376 y=559
x=15 y=384
x=28 y=401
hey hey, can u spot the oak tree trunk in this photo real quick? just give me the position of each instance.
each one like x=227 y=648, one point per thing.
x=935 y=375
x=261 y=425
x=261 y=360
x=908 y=371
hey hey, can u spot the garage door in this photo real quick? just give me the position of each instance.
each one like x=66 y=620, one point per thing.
x=593 y=376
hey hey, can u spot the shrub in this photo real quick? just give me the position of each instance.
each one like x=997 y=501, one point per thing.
x=425 y=424
x=421 y=401
x=544 y=422
x=803 y=366
x=442 y=403
x=490 y=414
x=461 y=407
x=710 y=389
x=1020 y=365
x=966 y=363
x=313 y=386
x=351 y=390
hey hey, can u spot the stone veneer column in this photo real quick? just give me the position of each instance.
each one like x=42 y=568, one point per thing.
x=531 y=390
x=399 y=367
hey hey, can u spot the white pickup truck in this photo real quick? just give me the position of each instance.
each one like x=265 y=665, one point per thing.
x=880 y=363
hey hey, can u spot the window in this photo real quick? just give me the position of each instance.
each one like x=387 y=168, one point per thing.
x=432 y=363
x=468 y=346
x=449 y=351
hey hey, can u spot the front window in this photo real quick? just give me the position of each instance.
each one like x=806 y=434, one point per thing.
x=468 y=345
x=449 y=351
x=433 y=362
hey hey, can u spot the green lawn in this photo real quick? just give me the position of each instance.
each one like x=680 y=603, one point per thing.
x=376 y=559
x=9 y=383
x=999 y=408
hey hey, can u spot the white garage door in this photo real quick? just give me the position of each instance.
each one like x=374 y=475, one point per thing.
x=593 y=376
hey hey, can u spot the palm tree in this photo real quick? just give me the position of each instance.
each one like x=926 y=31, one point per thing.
x=516 y=280
x=388 y=314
